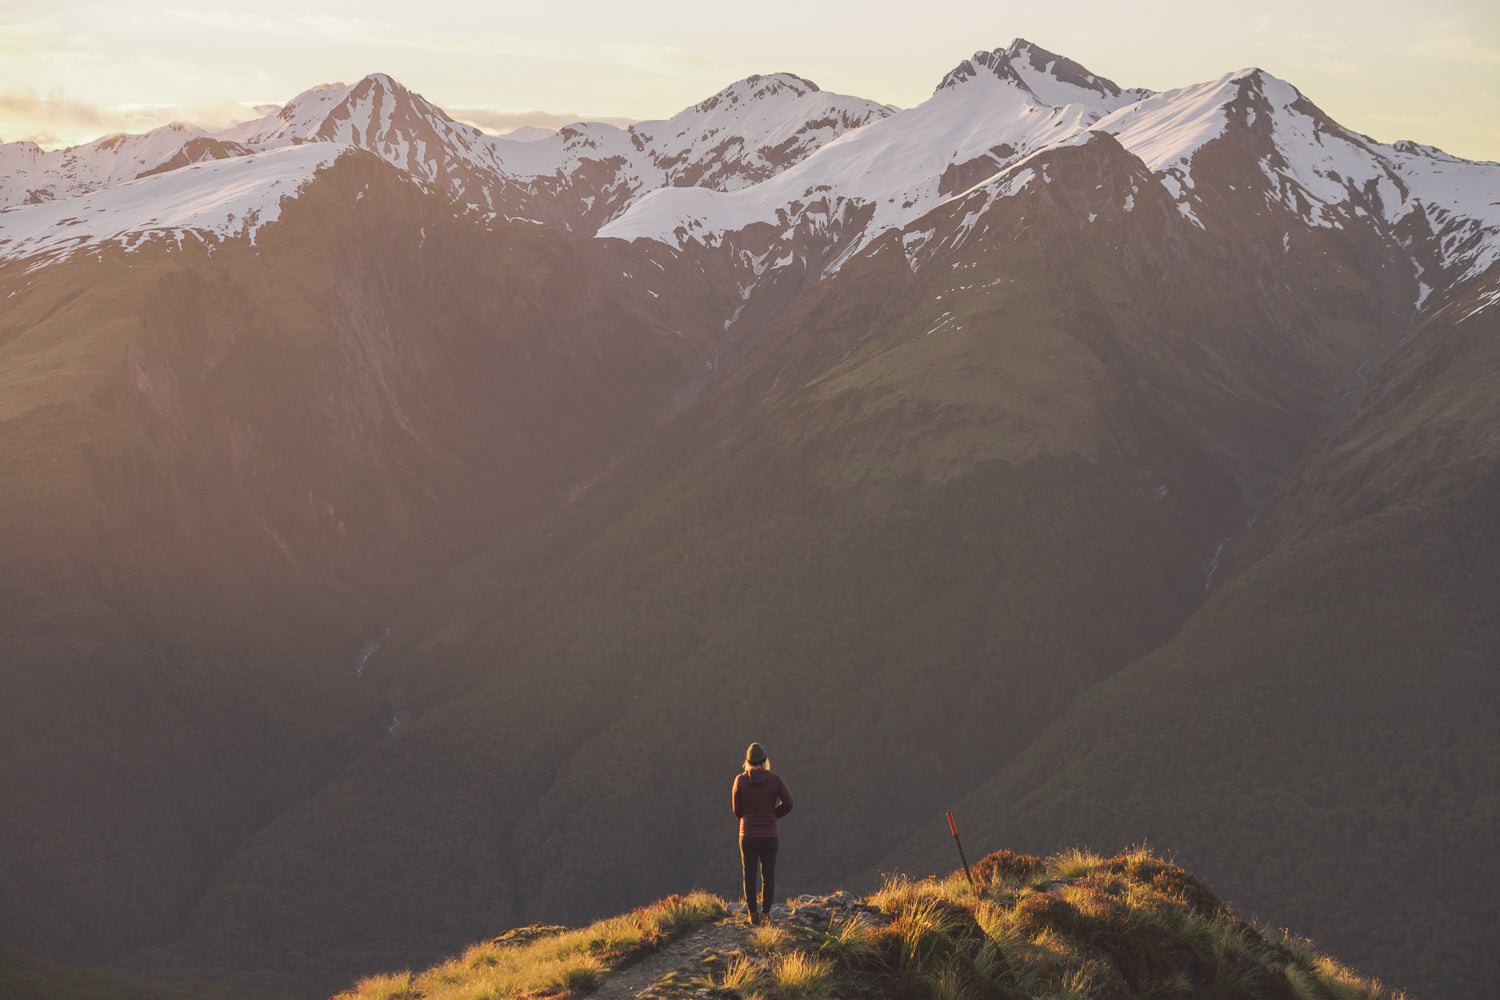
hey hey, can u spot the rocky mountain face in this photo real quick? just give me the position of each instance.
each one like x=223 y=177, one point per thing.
x=406 y=523
x=238 y=460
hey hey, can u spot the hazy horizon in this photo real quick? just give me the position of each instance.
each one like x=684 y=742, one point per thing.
x=76 y=70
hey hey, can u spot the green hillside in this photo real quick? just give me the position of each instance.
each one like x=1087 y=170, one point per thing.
x=226 y=467
x=1321 y=739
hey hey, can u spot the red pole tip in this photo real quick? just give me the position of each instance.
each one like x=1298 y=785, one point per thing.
x=951 y=827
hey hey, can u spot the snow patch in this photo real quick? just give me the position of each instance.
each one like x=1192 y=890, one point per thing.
x=207 y=201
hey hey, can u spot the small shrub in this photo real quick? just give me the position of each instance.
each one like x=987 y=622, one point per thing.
x=1007 y=868
x=1167 y=879
x=1044 y=911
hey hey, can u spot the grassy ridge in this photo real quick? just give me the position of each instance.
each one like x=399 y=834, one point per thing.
x=547 y=961
x=1076 y=926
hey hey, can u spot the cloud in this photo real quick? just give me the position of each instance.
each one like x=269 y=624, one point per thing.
x=20 y=103
x=495 y=120
x=56 y=119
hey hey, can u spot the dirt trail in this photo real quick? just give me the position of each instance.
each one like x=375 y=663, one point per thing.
x=726 y=935
x=688 y=968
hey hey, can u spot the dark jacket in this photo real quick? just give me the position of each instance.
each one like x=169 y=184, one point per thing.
x=759 y=798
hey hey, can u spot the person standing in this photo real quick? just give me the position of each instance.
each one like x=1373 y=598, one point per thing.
x=759 y=798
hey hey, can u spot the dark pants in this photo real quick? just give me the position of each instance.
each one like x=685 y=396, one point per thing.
x=759 y=854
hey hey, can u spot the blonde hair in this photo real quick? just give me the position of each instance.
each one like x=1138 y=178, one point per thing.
x=764 y=765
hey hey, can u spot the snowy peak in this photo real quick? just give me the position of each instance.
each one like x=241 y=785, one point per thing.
x=1043 y=77
x=576 y=178
x=775 y=149
x=982 y=65
x=756 y=88
x=374 y=111
x=297 y=119
x=750 y=131
x=1272 y=148
x=380 y=112
x=1059 y=80
x=30 y=176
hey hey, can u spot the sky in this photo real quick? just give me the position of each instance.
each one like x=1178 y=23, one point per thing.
x=72 y=70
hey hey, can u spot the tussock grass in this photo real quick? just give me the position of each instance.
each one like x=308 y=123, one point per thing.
x=1073 y=863
x=801 y=976
x=1315 y=976
x=897 y=892
x=1076 y=984
x=575 y=974
x=951 y=983
x=1079 y=925
x=742 y=977
x=768 y=939
x=848 y=941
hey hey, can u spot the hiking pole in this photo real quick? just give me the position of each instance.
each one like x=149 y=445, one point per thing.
x=954 y=828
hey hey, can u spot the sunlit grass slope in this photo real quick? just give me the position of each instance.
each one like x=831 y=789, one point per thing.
x=548 y=961
x=1071 y=927
x=1322 y=739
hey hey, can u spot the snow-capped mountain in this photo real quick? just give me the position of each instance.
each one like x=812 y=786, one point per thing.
x=576 y=178
x=205 y=201
x=994 y=111
x=29 y=175
x=781 y=174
